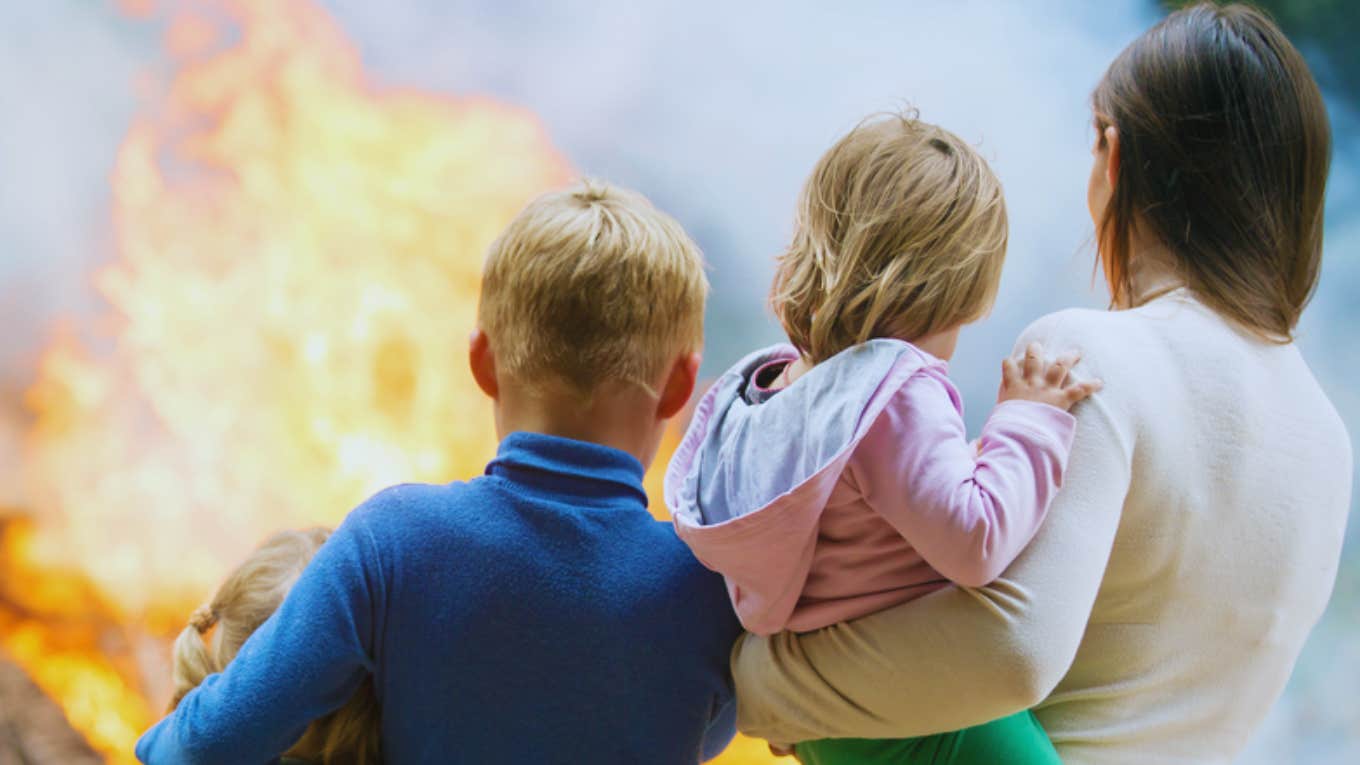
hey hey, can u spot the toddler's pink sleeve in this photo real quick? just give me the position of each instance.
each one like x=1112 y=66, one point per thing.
x=968 y=510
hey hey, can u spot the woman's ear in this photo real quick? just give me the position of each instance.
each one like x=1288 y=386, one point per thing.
x=1111 y=135
x=482 y=361
x=679 y=385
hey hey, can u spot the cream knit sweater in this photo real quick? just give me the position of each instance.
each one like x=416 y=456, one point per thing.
x=1158 y=613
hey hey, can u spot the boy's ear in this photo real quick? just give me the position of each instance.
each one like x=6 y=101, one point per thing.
x=679 y=385
x=1112 y=166
x=482 y=361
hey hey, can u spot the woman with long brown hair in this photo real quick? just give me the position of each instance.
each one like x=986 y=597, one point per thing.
x=1161 y=608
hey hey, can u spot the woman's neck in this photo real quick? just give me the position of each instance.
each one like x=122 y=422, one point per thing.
x=1152 y=273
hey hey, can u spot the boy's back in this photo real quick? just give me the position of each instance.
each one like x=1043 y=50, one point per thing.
x=535 y=614
x=585 y=630
x=538 y=613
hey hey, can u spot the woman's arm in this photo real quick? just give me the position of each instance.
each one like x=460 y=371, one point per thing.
x=957 y=657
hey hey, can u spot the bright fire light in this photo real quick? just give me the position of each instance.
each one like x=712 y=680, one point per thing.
x=295 y=273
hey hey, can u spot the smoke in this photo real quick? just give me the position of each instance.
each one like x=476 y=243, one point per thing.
x=717 y=111
x=64 y=119
x=65 y=115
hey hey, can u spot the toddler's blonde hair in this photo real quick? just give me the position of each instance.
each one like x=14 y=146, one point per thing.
x=900 y=232
x=348 y=736
x=592 y=283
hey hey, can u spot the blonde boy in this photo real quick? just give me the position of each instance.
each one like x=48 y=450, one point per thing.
x=537 y=613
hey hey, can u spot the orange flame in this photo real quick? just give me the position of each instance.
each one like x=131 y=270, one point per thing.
x=297 y=264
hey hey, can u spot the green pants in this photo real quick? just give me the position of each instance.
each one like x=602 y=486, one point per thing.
x=1014 y=740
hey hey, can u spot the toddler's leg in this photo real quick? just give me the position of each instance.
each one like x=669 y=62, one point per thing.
x=1014 y=740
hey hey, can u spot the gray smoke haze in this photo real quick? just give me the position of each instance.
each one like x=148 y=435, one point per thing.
x=717 y=111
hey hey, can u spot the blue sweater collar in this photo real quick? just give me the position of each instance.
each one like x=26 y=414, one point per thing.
x=568 y=469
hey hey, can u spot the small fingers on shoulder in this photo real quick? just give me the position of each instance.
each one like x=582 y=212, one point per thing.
x=1010 y=371
x=1034 y=360
x=1057 y=371
x=1082 y=390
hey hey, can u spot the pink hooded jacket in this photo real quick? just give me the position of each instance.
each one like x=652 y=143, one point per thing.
x=855 y=488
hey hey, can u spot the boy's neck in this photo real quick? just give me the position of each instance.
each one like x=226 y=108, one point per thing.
x=621 y=416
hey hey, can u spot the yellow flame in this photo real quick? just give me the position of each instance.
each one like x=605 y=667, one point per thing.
x=296 y=271
x=56 y=626
x=295 y=282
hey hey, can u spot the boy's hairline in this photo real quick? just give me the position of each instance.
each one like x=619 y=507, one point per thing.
x=549 y=220
x=556 y=384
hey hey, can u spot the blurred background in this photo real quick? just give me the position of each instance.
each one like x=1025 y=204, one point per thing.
x=241 y=243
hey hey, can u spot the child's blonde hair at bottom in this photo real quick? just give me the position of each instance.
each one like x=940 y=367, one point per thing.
x=900 y=232
x=348 y=736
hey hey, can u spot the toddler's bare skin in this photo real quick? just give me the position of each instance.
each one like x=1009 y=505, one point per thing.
x=1035 y=379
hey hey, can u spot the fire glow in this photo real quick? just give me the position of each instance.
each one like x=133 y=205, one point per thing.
x=295 y=271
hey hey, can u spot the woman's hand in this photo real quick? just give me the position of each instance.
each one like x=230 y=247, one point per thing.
x=1035 y=379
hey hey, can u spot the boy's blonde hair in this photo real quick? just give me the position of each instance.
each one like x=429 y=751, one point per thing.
x=348 y=736
x=592 y=283
x=900 y=232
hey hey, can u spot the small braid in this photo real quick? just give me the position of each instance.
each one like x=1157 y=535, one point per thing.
x=203 y=618
x=248 y=596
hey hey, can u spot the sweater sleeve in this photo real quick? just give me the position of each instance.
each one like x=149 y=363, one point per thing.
x=722 y=728
x=957 y=657
x=304 y=662
x=968 y=511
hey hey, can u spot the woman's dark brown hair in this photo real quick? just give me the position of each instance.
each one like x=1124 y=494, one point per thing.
x=1224 y=152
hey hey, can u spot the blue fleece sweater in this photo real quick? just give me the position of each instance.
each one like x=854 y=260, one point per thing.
x=537 y=614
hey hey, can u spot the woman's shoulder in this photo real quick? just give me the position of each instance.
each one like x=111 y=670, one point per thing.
x=1072 y=324
x=1134 y=352
x=1096 y=335
x=1117 y=336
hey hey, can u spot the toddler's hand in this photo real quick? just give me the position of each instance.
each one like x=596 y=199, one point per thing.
x=1047 y=383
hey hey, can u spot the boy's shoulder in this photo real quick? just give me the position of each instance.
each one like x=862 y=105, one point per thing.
x=639 y=558
x=688 y=583
x=407 y=511
x=666 y=546
x=407 y=498
x=468 y=511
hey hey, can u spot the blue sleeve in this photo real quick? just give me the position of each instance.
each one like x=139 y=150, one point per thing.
x=722 y=725
x=304 y=662
x=722 y=728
